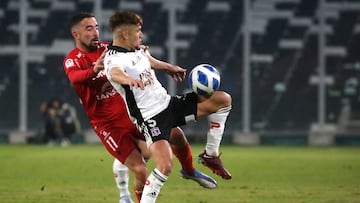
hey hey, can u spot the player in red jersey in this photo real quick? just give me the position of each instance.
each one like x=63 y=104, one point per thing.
x=106 y=110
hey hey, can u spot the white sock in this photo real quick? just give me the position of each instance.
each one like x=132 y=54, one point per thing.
x=121 y=175
x=152 y=187
x=216 y=130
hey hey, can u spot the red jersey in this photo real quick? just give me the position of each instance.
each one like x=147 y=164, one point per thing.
x=101 y=101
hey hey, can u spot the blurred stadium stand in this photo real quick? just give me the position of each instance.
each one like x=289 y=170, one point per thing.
x=284 y=57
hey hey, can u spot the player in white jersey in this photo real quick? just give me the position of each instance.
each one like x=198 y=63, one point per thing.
x=130 y=71
x=153 y=98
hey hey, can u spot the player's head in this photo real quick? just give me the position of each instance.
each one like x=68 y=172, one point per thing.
x=126 y=28
x=84 y=29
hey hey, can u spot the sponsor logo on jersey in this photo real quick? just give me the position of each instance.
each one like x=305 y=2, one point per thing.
x=99 y=75
x=106 y=94
x=79 y=55
x=147 y=78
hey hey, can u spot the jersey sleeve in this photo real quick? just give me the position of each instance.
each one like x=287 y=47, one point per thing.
x=75 y=73
x=111 y=62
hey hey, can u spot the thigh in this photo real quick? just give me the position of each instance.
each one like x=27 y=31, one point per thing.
x=119 y=142
x=209 y=105
x=145 y=151
x=162 y=155
x=134 y=160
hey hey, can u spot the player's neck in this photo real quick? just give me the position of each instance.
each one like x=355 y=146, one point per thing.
x=122 y=45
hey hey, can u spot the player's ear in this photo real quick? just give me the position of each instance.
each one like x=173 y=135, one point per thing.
x=74 y=34
x=125 y=33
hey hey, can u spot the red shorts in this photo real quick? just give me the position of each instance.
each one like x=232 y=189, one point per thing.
x=119 y=141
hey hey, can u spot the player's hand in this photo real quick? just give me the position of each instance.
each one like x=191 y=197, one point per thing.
x=135 y=83
x=144 y=47
x=99 y=64
x=177 y=73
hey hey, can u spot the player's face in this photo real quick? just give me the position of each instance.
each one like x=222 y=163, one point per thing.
x=88 y=34
x=135 y=36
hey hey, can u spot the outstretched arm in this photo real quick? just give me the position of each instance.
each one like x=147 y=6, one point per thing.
x=119 y=76
x=176 y=72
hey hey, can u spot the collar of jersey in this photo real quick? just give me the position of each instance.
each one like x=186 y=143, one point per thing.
x=119 y=49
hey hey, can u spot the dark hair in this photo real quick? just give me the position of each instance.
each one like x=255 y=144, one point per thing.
x=53 y=100
x=124 y=18
x=77 y=18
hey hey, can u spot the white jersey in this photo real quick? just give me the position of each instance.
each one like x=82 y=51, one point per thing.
x=150 y=101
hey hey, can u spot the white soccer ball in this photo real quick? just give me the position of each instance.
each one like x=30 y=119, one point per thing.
x=204 y=79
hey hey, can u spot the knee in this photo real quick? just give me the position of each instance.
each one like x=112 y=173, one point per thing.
x=223 y=98
x=227 y=99
x=165 y=167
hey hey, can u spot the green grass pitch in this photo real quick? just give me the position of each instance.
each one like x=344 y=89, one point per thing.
x=83 y=174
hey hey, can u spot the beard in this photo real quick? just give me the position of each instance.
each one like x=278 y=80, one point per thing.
x=90 y=46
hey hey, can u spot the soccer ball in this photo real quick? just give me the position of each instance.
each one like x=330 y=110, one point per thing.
x=204 y=79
